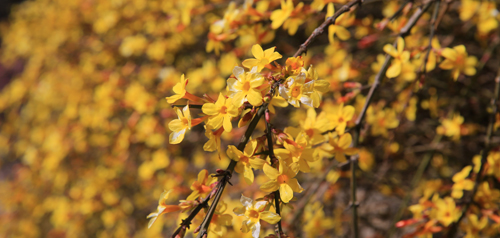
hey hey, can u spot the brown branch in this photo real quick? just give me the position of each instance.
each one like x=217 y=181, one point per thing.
x=230 y=169
x=484 y=155
x=357 y=128
x=270 y=147
x=330 y=20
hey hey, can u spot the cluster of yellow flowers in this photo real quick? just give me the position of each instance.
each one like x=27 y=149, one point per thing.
x=300 y=146
x=90 y=144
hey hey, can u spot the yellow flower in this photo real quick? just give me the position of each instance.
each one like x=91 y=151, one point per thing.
x=180 y=126
x=474 y=225
x=203 y=185
x=253 y=213
x=278 y=17
x=317 y=223
x=487 y=197
x=333 y=29
x=313 y=126
x=282 y=179
x=296 y=90
x=246 y=160
x=297 y=153
x=400 y=57
x=162 y=208
x=245 y=86
x=180 y=92
x=262 y=58
x=341 y=116
x=221 y=113
x=461 y=183
x=220 y=221
x=381 y=120
x=458 y=61
x=451 y=127
x=318 y=86
x=447 y=212
x=213 y=142
x=339 y=147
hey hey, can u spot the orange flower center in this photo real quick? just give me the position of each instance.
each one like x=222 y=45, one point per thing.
x=310 y=133
x=253 y=214
x=283 y=179
x=246 y=86
x=295 y=91
x=244 y=160
x=460 y=60
x=223 y=110
x=185 y=121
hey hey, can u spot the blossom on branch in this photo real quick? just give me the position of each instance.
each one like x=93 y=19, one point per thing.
x=262 y=58
x=162 y=208
x=246 y=86
x=282 y=179
x=221 y=113
x=253 y=213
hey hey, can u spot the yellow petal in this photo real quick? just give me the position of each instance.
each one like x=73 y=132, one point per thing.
x=215 y=122
x=176 y=125
x=449 y=54
x=394 y=70
x=249 y=63
x=270 y=186
x=271 y=172
x=176 y=137
x=228 y=126
x=257 y=51
x=342 y=33
x=286 y=192
x=389 y=49
x=348 y=112
x=270 y=217
x=401 y=44
x=447 y=64
x=254 y=97
x=294 y=184
x=248 y=174
x=210 y=109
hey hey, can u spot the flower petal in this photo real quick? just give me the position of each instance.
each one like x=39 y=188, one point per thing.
x=286 y=192
x=246 y=201
x=270 y=217
x=269 y=186
x=271 y=172
x=257 y=51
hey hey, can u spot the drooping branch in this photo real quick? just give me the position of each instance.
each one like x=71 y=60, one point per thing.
x=330 y=20
x=230 y=169
x=484 y=154
x=270 y=147
x=357 y=128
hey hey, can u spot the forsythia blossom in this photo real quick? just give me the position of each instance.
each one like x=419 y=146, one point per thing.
x=221 y=113
x=245 y=86
x=253 y=213
x=262 y=58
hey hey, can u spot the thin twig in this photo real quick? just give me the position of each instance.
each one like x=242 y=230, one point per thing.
x=230 y=169
x=270 y=147
x=429 y=46
x=484 y=155
x=400 y=9
x=330 y=20
x=190 y=106
x=357 y=128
